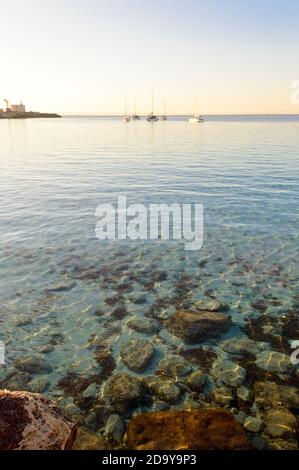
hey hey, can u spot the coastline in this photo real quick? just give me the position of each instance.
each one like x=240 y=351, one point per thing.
x=29 y=115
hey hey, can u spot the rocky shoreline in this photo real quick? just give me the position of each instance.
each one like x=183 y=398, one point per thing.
x=245 y=384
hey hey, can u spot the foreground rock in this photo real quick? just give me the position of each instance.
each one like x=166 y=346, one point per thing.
x=136 y=354
x=29 y=421
x=211 y=429
x=194 y=327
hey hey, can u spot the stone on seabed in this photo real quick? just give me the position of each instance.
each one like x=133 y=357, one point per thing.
x=163 y=388
x=33 y=365
x=144 y=325
x=273 y=361
x=229 y=372
x=122 y=388
x=30 y=421
x=210 y=305
x=136 y=354
x=194 y=327
x=174 y=366
x=206 y=429
x=86 y=440
x=269 y=394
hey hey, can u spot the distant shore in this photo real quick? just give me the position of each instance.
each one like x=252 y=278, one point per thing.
x=29 y=115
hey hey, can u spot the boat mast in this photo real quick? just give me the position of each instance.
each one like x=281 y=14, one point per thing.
x=152 y=101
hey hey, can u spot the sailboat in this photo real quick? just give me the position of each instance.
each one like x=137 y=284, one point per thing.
x=126 y=117
x=164 y=117
x=196 y=117
x=135 y=117
x=151 y=117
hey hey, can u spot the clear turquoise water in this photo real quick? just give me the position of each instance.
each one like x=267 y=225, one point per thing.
x=53 y=174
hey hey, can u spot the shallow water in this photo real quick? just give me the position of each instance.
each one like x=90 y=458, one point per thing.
x=53 y=174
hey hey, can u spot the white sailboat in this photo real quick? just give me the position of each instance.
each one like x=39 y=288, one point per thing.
x=196 y=117
x=151 y=117
x=126 y=117
x=135 y=116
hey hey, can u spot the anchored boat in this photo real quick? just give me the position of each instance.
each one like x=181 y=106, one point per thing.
x=196 y=118
x=152 y=117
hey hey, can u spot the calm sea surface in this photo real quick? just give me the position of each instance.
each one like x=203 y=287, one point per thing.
x=61 y=288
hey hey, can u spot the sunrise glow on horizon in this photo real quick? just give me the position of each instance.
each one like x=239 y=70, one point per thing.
x=76 y=57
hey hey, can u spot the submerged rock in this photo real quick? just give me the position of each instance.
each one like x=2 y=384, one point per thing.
x=229 y=372
x=205 y=429
x=194 y=327
x=252 y=424
x=174 y=366
x=86 y=440
x=270 y=394
x=114 y=428
x=91 y=391
x=31 y=422
x=273 y=361
x=280 y=444
x=162 y=387
x=33 y=365
x=222 y=395
x=136 y=354
x=210 y=305
x=280 y=422
x=197 y=380
x=241 y=345
x=45 y=348
x=23 y=320
x=122 y=389
x=18 y=381
x=62 y=287
x=244 y=393
x=38 y=385
x=258 y=443
x=144 y=325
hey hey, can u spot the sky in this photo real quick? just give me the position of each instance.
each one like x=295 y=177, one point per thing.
x=205 y=56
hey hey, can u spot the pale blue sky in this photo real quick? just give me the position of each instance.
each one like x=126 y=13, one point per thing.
x=79 y=56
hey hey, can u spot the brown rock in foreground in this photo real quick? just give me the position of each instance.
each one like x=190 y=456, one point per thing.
x=28 y=421
x=191 y=430
x=194 y=327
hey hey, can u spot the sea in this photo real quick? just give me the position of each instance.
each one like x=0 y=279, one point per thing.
x=67 y=296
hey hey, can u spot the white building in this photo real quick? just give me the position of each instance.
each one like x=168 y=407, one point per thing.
x=17 y=108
